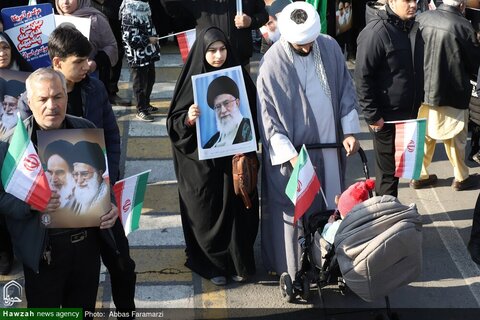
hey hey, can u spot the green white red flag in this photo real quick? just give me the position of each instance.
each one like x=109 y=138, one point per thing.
x=303 y=185
x=130 y=193
x=22 y=173
x=409 y=146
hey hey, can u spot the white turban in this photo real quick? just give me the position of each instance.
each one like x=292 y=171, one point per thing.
x=307 y=27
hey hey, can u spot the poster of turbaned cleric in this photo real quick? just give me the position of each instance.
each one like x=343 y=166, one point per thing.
x=12 y=85
x=225 y=126
x=29 y=28
x=75 y=163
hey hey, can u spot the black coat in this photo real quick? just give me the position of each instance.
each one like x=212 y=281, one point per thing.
x=452 y=57
x=221 y=14
x=388 y=76
x=26 y=230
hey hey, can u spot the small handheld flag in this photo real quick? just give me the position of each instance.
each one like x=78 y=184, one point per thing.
x=130 y=193
x=185 y=42
x=22 y=173
x=303 y=185
x=409 y=147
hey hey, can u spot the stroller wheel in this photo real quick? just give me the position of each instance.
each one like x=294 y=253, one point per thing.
x=305 y=289
x=286 y=287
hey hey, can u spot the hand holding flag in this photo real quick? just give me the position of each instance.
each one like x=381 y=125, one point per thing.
x=22 y=173
x=303 y=185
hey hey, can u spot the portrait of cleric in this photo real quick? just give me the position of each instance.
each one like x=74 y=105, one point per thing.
x=10 y=91
x=223 y=97
x=77 y=171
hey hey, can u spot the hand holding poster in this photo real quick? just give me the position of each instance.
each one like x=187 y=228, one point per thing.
x=225 y=126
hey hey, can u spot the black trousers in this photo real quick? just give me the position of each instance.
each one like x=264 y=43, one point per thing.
x=475 y=235
x=143 y=80
x=384 y=146
x=5 y=241
x=116 y=26
x=70 y=280
x=121 y=268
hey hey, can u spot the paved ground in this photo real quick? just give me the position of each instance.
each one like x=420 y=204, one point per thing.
x=449 y=278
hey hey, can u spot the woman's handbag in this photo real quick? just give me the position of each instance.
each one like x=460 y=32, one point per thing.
x=245 y=170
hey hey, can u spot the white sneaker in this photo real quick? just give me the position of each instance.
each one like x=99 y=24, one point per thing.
x=239 y=278
x=219 y=281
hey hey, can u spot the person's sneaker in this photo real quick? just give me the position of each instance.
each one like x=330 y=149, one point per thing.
x=145 y=116
x=423 y=183
x=237 y=278
x=152 y=109
x=476 y=158
x=219 y=281
x=117 y=101
x=468 y=183
x=6 y=263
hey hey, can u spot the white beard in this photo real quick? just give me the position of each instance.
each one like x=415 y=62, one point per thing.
x=66 y=191
x=9 y=121
x=274 y=35
x=85 y=196
x=226 y=125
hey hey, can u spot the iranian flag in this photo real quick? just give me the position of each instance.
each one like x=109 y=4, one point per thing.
x=185 y=42
x=22 y=173
x=409 y=146
x=129 y=194
x=303 y=185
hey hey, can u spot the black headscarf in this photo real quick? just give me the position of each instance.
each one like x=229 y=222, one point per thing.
x=16 y=56
x=183 y=94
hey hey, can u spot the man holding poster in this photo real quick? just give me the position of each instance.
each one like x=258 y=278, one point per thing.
x=61 y=266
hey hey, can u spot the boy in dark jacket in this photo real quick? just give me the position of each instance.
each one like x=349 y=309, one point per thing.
x=142 y=50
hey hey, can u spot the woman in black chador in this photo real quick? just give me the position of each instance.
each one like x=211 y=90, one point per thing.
x=219 y=231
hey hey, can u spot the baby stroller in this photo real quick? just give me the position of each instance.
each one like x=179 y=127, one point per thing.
x=377 y=248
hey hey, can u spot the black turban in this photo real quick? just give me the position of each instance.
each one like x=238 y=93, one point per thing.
x=89 y=153
x=221 y=85
x=60 y=147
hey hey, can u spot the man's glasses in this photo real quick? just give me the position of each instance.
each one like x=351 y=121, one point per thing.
x=82 y=174
x=224 y=104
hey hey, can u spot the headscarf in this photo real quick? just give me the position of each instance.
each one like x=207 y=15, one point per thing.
x=196 y=64
x=80 y=5
x=17 y=61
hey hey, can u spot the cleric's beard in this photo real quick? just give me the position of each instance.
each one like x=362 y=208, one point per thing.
x=9 y=120
x=85 y=195
x=229 y=123
x=274 y=35
x=66 y=190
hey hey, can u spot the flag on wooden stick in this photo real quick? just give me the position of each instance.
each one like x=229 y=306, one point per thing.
x=303 y=185
x=22 y=173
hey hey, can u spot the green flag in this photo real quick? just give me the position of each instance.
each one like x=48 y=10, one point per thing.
x=321 y=7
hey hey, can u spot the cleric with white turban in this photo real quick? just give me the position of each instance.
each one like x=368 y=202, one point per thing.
x=305 y=96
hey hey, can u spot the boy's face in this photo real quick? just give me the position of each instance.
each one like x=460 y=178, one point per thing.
x=73 y=68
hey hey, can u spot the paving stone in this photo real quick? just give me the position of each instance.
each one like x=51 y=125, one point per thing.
x=161 y=198
x=164 y=296
x=149 y=148
x=158 y=230
x=162 y=170
x=160 y=265
x=157 y=128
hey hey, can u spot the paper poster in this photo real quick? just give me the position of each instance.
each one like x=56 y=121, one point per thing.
x=29 y=28
x=81 y=24
x=75 y=163
x=12 y=85
x=225 y=126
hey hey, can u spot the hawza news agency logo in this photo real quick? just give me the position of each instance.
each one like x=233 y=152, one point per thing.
x=12 y=292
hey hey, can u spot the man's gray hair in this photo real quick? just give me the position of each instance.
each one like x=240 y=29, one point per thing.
x=454 y=3
x=42 y=74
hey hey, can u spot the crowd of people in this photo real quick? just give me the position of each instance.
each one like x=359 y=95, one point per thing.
x=304 y=95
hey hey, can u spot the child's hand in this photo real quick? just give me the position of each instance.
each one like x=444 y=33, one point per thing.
x=153 y=40
x=92 y=66
x=331 y=219
x=192 y=115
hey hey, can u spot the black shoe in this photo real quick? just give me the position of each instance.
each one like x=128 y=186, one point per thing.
x=6 y=263
x=152 y=109
x=145 y=116
x=117 y=101
x=474 y=249
x=423 y=183
x=468 y=183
